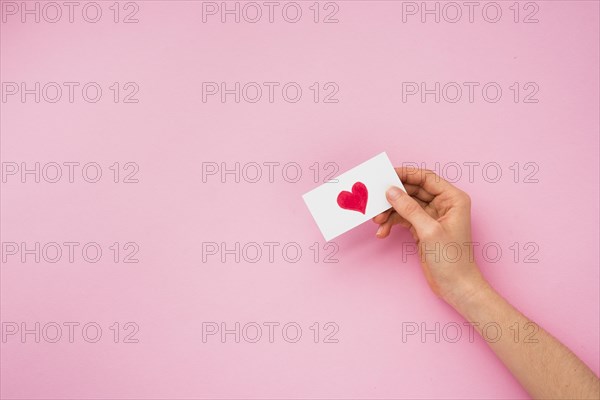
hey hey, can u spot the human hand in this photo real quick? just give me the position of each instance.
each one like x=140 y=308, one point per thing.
x=439 y=217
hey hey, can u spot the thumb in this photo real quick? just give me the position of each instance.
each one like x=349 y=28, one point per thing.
x=409 y=209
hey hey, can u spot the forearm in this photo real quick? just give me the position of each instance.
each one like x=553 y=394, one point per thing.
x=544 y=366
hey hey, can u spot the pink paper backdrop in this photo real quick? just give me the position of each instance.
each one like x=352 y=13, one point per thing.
x=179 y=221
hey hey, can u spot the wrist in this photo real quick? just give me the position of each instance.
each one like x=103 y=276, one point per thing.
x=466 y=293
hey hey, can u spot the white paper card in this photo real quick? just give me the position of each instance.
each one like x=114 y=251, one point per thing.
x=352 y=198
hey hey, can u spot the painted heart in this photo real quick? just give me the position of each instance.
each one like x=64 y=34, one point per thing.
x=355 y=200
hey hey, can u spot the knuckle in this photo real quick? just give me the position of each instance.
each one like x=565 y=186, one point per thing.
x=464 y=199
x=427 y=174
x=431 y=177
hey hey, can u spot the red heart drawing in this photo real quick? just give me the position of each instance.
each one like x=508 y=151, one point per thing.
x=355 y=201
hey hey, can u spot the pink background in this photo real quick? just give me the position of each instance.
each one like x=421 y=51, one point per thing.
x=371 y=291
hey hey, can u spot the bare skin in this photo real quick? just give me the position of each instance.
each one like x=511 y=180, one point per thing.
x=439 y=216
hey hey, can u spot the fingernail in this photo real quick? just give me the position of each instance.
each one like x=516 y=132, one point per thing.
x=394 y=192
x=379 y=231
